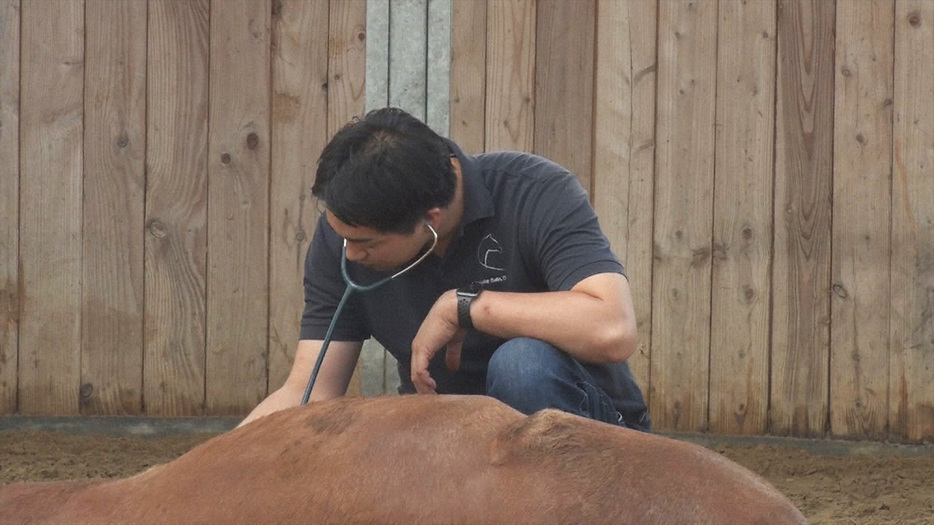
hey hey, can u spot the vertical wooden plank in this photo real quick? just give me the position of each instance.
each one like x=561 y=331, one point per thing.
x=911 y=401
x=238 y=207
x=408 y=52
x=50 y=196
x=510 y=80
x=564 y=80
x=624 y=150
x=739 y=331
x=391 y=378
x=176 y=201
x=687 y=57
x=114 y=182
x=859 y=328
x=299 y=133
x=438 y=83
x=9 y=202
x=347 y=75
x=406 y=58
x=346 y=62
x=371 y=368
x=468 y=74
x=377 y=54
x=803 y=173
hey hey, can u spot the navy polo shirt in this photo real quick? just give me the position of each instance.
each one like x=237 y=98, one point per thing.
x=528 y=226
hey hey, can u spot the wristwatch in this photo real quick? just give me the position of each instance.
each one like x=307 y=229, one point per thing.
x=465 y=296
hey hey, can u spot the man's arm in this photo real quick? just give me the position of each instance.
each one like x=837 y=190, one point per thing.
x=593 y=321
x=332 y=381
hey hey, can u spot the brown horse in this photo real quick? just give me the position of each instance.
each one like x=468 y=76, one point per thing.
x=418 y=459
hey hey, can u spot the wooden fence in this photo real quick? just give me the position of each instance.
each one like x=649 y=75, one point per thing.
x=765 y=170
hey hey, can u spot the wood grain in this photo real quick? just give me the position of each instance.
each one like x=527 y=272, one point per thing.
x=803 y=180
x=52 y=76
x=687 y=55
x=176 y=202
x=739 y=327
x=911 y=400
x=346 y=62
x=69 y=282
x=624 y=150
x=510 y=81
x=238 y=207
x=346 y=85
x=468 y=74
x=114 y=185
x=299 y=133
x=9 y=202
x=859 y=350
x=564 y=85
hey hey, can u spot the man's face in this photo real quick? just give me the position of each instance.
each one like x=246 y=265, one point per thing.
x=381 y=251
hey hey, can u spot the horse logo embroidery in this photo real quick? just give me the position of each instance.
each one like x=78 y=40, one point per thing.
x=490 y=254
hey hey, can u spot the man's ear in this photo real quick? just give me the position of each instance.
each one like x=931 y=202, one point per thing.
x=433 y=217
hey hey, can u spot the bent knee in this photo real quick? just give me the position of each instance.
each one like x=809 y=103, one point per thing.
x=522 y=359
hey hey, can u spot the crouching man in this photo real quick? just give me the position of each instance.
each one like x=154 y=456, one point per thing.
x=518 y=295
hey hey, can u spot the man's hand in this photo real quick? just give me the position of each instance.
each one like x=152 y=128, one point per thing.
x=333 y=378
x=438 y=330
x=594 y=322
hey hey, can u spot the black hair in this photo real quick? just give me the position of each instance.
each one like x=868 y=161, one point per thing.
x=385 y=171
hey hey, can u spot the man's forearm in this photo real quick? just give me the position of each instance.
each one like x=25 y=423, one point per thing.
x=593 y=322
x=332 y=380
x=565 y=319
x=285 y=397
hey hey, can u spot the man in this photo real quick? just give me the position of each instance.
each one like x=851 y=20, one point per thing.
x=520 y=297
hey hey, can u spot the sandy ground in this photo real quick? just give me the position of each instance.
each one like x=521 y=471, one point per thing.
x=843 y=485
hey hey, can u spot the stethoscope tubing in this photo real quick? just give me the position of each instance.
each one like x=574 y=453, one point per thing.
x=350 y=289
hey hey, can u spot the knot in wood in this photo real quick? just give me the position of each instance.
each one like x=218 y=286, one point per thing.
x=157 y=229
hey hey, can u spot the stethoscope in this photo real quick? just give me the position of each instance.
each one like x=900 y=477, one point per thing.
x=351 y=288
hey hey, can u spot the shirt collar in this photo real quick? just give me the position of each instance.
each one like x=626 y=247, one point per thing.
x=478 y=203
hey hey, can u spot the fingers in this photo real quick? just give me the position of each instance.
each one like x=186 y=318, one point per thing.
x=421 y=378
x=438 y=330
x=423 y=382
x=452 y=357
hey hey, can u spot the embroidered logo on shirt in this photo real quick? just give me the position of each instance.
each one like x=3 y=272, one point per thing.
x=490 y=254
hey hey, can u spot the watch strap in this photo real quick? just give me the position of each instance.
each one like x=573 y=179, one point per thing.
x=465 y=297
x=463 y=311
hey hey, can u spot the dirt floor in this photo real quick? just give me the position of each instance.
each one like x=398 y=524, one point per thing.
x=839 y=484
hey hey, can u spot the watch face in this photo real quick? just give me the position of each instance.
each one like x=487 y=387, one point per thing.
x=471 y=289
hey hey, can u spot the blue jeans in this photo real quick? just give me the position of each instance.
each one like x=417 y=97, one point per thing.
x=530 y=375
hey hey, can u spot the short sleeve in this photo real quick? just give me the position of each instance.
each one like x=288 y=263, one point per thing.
x=566 y=240
x=324 y=288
